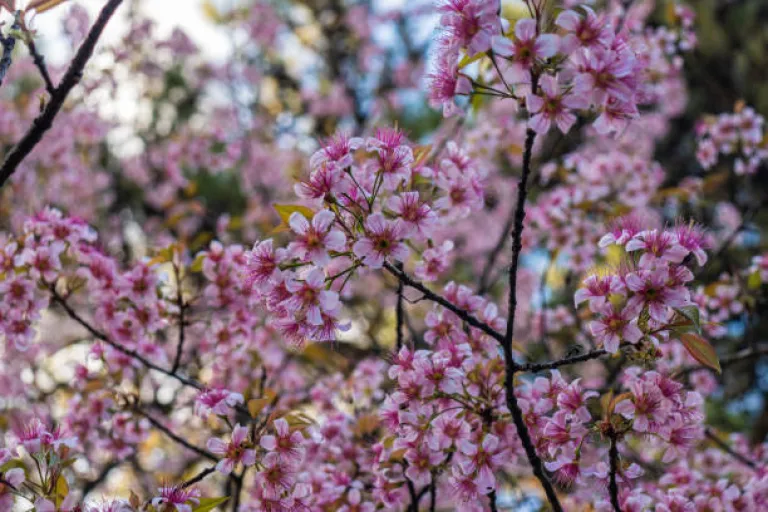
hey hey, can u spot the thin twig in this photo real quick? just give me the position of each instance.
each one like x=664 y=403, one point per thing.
x=44 y=121
x=182 y=328
x=748 y=216
x=39 y=61
x=414 y=506
x=432 y=494
x=494 y=254
x=238 y=490
x=439 y=299
x=180 y=440
x=551 y=365
x=103 y=337
x=760 y=350
x=399 y=312
x=492 y=501
x=730 y=451
x=198 y=477
x=106 y=470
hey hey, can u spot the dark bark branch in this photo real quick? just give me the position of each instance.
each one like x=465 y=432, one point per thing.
x=39 y=61
x=414 y=506
x=613 y=486
x=179 y=440
x=551 y=365
x=237 y=491
x=433 y=494
x=399 y=312
x=198 y=477
x=434 y=297
x=492 y=501
x=103 y=337
x=44 y=121
x=182 y=328
x=730 y=451
x=510 y=365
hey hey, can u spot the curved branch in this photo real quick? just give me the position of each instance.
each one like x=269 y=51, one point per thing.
x=730 y=451
x=551 y=365
x=44 y=121
x=439 y=299
x=103 y=337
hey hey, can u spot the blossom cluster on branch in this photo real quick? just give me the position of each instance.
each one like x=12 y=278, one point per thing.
x=273 y=290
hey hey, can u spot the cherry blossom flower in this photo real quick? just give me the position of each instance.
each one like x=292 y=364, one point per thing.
x=383 y=240
x=554 y=106
x=177 y=498
x=285 y=443
x=313 y=241
x=216 y=401
x=233 y=452
x=527 y=45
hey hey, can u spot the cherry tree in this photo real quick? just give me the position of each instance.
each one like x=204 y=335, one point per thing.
x=360 y=264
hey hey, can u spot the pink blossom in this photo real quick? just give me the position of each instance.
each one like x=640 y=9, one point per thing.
x=216 y=401
x=591 y=31
x=614 y=326
x=528 y=45
x=234 y=452
x=383 y=240
x=553 y=106
x=310 y=297
x=313 y=241
x=285 y=443
x=177 y=498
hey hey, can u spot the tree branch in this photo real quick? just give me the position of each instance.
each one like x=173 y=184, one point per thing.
x=551 y=365
x=432 y=494
x=198 y=477
x=434 y=297
x=613 y=486
x=399 y=309
x=39 y=61
x=492 y=501
x=182 y=328
x=44 y=121
x=730 y=451
x=103 y=337
x=181 y=441
x=510 y=366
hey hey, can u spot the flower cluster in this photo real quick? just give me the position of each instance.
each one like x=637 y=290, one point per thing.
x=639 y=300
x=587 y=65
x=739 y=136
x=374 y=211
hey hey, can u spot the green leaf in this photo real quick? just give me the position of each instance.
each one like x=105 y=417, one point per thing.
x=692 y=314
x=256 y=405
x=62 y=490
x=12 y=464
x=208 y=504
x=197 y=264
x=701 y=351
x=286 y=210
x=754 y=281
x=467 y=60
